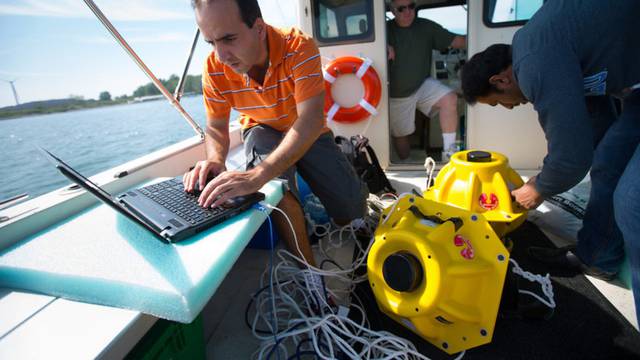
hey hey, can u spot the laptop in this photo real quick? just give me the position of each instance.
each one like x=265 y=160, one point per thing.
x=164 y=208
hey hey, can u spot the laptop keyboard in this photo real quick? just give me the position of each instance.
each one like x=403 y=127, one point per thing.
x=171 y=195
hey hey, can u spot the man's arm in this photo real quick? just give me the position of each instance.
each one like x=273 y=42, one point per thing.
x=216 y=142
x=298 y=139
x=552 y=81
x=294 y=145
x=391 y=53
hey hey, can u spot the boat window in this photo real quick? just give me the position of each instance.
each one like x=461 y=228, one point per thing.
x=452 y=18
x=342 y=21
x=503 y=13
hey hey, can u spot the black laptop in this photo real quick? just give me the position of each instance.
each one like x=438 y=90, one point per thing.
x=164 y=208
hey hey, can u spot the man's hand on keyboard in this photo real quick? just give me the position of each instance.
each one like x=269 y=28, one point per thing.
x=230 y=184
x=203 y=170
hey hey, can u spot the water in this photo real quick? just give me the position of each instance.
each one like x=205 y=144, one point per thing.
x=91 y=141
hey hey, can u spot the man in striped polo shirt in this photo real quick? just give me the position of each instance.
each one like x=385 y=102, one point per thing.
x=273 y=78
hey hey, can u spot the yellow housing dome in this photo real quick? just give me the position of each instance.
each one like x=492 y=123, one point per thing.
x=481 y=182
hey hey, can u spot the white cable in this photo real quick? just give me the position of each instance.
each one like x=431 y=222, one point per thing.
x=326 y=333
x=293 y=230
x=393 y=207
x=283 y=254
x=545 y=283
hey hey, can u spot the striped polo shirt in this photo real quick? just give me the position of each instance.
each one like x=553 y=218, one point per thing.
x=294 y=75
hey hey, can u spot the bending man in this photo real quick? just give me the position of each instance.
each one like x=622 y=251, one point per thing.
x=568 y=61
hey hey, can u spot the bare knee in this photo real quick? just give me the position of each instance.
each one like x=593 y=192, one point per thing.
x=448 y=102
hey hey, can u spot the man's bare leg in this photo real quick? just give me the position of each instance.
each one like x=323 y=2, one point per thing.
x=290 y=205
x=403 y=146
x=448 y=107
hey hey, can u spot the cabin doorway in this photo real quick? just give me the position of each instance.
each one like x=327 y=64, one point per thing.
x=427 y=139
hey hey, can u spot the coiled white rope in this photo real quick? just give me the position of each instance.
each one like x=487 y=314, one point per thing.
x=544 y=281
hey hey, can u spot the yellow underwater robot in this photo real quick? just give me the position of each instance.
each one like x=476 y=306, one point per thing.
x=437 y=264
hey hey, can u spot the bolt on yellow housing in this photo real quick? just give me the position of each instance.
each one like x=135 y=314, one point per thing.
x=481 y=182
x=439 y=271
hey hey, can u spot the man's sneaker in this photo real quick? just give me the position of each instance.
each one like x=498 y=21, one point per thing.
x=566 y=259
x=447 y=153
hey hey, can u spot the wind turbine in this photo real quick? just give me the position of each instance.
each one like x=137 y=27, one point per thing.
x=13 y=88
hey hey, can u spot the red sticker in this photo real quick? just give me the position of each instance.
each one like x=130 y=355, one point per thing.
x=488 y=202
x=467 y=252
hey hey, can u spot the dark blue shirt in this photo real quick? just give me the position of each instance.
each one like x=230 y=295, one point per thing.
x=568 y=51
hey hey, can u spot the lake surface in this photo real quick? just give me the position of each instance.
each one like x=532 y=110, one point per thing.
x=91 y=141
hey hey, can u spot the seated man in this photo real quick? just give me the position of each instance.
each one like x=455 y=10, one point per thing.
x=570 y=80
x=273 y=78
x=411 y=41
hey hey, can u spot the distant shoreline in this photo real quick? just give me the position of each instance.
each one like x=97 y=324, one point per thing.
x=12 y=113
x=64 y=105
x=192 y=86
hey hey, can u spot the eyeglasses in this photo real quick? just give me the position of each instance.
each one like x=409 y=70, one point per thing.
x=402 y=8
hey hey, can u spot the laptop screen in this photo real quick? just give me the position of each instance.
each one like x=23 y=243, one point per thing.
x=75 y=176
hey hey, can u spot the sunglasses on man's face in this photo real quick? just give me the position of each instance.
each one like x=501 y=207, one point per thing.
x=402 y=8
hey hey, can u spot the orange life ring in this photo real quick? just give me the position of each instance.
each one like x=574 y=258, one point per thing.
x=372 y=89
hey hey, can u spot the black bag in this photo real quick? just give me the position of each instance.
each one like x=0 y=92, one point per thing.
x=361 y=155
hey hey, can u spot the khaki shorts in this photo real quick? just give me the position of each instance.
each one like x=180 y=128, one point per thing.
x=324 y=167
x=402 y=110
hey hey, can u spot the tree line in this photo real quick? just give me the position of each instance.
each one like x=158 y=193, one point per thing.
x=192 y=85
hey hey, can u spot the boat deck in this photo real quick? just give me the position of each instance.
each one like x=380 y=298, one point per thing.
x=593 y=318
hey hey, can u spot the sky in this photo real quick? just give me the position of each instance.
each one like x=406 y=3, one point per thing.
x=57 y=48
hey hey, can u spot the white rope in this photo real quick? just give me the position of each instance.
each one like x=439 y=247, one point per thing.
x=429 y=167
x=545 y=283
x=303 y=325
x=366 y=127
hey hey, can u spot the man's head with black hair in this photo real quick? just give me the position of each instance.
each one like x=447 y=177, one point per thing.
x=488 y=78
x=249 y=9
x=236 y=31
